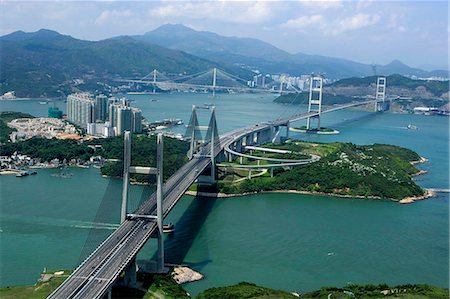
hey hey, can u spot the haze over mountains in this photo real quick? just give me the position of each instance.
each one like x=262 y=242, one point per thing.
x=50 y=61
x=267 y=57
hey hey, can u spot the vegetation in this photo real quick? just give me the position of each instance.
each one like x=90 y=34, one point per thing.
x=143 y=153
x=250 y=290
x=407 y=291
x=165 y=286
x=243 y=290
x=321 y=129
x=39 y=291
x=6 y=117
x=143 y=150
x=379 y=170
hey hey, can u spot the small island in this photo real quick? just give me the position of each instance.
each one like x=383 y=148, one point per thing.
x=321 y=130
x=377 y=171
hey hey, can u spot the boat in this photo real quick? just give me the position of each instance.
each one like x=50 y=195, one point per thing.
x=168 y=228
x=43 y=102
x=411 y=127
x=25 y=173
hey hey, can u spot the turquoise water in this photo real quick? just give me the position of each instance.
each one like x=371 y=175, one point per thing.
x=286 y=241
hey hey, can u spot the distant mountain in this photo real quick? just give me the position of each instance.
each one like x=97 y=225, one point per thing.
x=266 y=57
x=204 y=43
x=44 y=63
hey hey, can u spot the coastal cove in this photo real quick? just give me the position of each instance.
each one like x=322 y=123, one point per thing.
x=294 y=242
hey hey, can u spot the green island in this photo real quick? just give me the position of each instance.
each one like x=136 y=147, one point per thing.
x=321 y=129
x=156 y=286
x=376 y=171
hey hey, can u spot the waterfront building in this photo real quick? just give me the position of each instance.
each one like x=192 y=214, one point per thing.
x=81 y=109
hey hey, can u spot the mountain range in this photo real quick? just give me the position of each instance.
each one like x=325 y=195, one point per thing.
x=266 y=57
x=45 y=63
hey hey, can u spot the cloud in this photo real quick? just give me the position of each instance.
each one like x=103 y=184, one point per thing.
x=227 y=11
x=107 y=15
x=333 y=26
x=304 y=21
x=356 y=22
x=321 y=5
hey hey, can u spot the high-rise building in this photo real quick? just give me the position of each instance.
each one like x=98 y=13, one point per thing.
x=137 y=120
x=113 y=113
x=101 y=107
x=124 y=120
x=81 y=109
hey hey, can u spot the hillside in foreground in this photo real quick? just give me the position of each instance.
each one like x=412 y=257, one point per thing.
x=164 y=286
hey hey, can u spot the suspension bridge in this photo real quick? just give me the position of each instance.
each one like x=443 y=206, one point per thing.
x=95 y=276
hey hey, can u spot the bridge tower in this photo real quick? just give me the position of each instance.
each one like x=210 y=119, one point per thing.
x=193 y=132
x=380 y=95
x=315 y=99
x=154 y=81
x=130 y=272
x=214 y=81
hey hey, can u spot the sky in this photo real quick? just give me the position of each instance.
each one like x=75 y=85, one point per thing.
x=368 y=31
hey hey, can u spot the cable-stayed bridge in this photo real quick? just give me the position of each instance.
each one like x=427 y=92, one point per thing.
x=213 y=80
x=94 y=277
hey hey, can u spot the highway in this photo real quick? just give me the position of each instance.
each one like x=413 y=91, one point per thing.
x=101 y=269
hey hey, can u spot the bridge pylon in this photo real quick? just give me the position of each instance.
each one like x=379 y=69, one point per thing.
x=154 y=81
x=380 y=95
x=193 y=132
x=158 y=171
x=315 y=99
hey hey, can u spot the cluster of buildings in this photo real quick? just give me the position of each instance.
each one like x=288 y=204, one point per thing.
x=103 y=116
x=43 y=127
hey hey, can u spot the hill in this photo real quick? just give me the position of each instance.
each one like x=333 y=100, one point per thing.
x=413 y=92
x=371 y=171
x=267 y=58
x=51 y=61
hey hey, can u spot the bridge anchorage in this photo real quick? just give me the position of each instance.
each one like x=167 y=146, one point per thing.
x=130 y=271
x=199 y=147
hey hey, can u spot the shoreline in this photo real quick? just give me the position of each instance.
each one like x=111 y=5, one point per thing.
x=429 y=193
x=410 y=199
